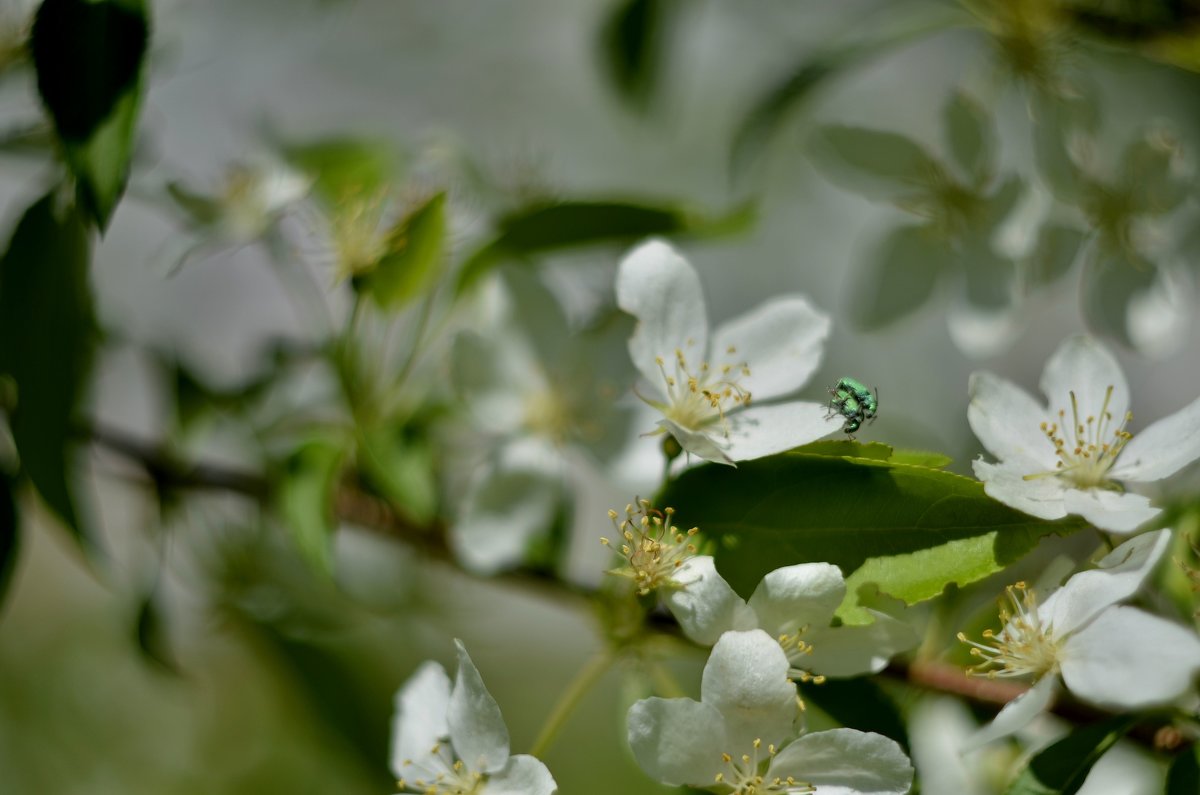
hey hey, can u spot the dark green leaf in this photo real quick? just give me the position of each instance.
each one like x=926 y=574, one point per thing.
x=47 y=333
x=544 y=227
x=900 y=277
x=416 y=249
x=877 y=164
x=910 y=529
x=631 y=42
x=346 y=167
x=10 y=526
x=858 y=704
x=970 y=137
x=1061 y=768
x=88 y=55
x=1184 y=776
x=152 y=636
x=305 y=500
x=1057 y=248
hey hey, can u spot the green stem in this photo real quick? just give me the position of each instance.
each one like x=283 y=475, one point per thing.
x=584 y=680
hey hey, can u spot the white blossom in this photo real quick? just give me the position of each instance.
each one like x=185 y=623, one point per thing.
x=1073 y=455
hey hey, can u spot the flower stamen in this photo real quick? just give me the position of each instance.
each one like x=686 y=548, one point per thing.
x=653 y=548
x=1088 y=450
x=1023 y=646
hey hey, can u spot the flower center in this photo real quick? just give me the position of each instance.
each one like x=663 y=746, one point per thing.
x=1024 y=646
x=441 y=774
x=653 y=548
x=744 y=775
x=697 y=397
x=548 y=414
x=796 y=649
x=1086 y=448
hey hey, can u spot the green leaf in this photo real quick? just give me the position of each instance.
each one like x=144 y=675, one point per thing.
x=875 y=163
x=1184 y=776
x=909 y=529
x=1057 y=248
x=416 y=250
x=47 y=333
x=858 y=704
x=1061 y=768
x=305 y=500
x=398 y=464
x=970 y=136
x=343 y=167
x=89 y=56
x=900 y=277
x=542 y=228
x=1152 y=174
x=10 y=528
x=631 y=42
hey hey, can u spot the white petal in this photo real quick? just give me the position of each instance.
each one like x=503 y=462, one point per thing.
x=982 y=332
x=1017 y=714
x=705 y=605
x=856 y=650
x=1163 y=448
x=1007 y=421
x=1119 y=577
x=1158 y=317
x=1127 y=658
x=765 y=430
x=746 y=680
x=477 y=729
x=1041 y=497
x=524 y=775
x=419 y=721
x=677 y=741
x=708 y=444
x=659 y=288
x=846 y=762
x=780 y=341
x=495 y=376
x=1087 y=368
x=1115 y=511
x=806 y=594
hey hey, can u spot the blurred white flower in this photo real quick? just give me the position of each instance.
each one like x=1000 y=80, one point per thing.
x=795 y=605
x=703 y=387
x=1071 y=456
x=1111 y=656
x=736 y=738
x=453 y=741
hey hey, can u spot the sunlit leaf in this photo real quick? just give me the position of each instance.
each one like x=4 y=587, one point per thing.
x=970 y=136
x=305 y=500
x=1062 y=768
x=631 y=44
x=47 y=333
x=88 y=55
x=416 y=251
x=877 y=164
x=900 y=277
x=342 y=167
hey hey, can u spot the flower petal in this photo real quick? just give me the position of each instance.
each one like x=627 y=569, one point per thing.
x=803 y=595
x=1127 y=658
x=765 y=430
x=419 y=721
x=1085 y=367
x=1115 y=511
x=676 y=740
x=780 y=342
x=746 y=680
x=1163 y=448
x=980 y=331
x=1017 y=714
x=1119 y=577
x=495 y=376
x=705 y=605
x=659 y=288
x=1041 y=497
x=842 y=652
x=846 y=762
x=477 y=728
x=708 y=446
x=524 y=775
x=1007 y=421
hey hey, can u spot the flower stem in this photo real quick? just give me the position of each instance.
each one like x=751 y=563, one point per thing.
x=583 y=681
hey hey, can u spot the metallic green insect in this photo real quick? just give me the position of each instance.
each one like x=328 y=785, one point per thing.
x=853 y=401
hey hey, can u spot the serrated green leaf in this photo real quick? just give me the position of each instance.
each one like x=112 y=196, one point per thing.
x=1183 y=778
x=47 y=335
x=1062 y=768
x=399 y=466
x=911 y=530
x=875 y=163
x=900 y=277
x=858 y=704
x=416 y=250
x=631 y=42
x=10 y=527
x=304 y=499
x=89 y=55
x=543 y=228
x=970 y=136
x=342 y=167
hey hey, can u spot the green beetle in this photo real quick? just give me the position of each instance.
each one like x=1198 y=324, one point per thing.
x=853 y=401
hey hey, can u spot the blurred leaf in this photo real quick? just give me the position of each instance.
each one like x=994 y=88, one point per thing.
x=1057 y=248
x=877 y=164
x=970 y=136
x=305 y=500
x=47 y=331
x=912 y=530
x=1061 y=768
x=416 y=250
x=202 y=210
x=398 y=464
x=10 y=527
x=343 y=167
x=1110 y=280
x=1060 y=125
x=88 y=55
x=1183 y=778
x=542 y=228
x=1149 y=174
x=631 y=44
x=858 y=704
x=152 y=636
x=900 y=277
